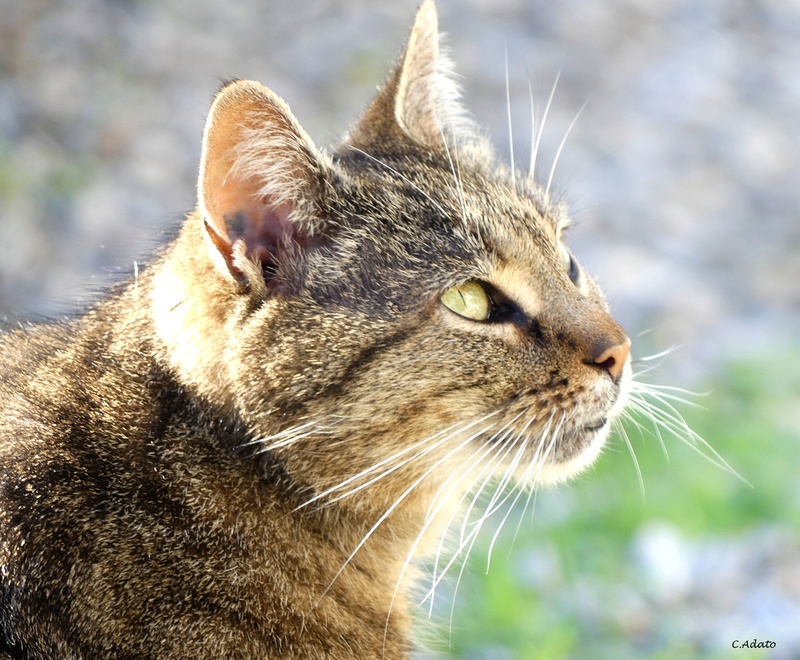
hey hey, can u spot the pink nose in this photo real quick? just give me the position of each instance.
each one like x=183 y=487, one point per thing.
x=613 y=359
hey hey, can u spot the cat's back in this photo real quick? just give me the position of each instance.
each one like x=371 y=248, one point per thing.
x=34 y=378
x=50 y=372
x=82 y=468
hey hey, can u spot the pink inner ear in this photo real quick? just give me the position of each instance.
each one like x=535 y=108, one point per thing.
x=262 y=228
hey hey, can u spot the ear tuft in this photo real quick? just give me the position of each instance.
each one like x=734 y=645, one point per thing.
x=427 y=103
x=259 y=177
x=421 y=97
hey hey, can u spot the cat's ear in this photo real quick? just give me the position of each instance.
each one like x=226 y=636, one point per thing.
x=259 y=175
x=421 y=98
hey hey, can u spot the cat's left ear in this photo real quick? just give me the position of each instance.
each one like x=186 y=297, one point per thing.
x=420 y=100
x=259 y=176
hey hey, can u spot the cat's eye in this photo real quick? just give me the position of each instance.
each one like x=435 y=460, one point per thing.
x=469 y=300
x=568 y=263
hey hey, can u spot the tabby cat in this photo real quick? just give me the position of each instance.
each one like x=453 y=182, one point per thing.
x=238 y=453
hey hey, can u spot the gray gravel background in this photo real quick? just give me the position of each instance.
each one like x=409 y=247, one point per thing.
x=682 y=170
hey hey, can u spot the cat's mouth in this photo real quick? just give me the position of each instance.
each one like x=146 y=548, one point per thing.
x=579 y=439
x=574 y=449
x=594 y=427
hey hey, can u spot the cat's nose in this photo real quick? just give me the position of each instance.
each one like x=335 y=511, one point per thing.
x=613 y=359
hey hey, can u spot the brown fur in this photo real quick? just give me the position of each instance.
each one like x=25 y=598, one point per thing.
x=158 y=454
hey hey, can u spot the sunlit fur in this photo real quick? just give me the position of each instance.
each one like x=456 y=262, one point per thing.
x=244 y=451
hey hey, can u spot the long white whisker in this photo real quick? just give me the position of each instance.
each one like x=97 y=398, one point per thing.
x=531 y=498
x=439 y=500
x=289 y=441
x=493 y=446
x=401 y=176
x=656 y=356
x=520 y=490
x=560 y=148
x=487 y=450
x=534 y=132
x=510 y=127
x=499 y=438
x=511 y=470
x=670 y=419
x=535 y=155
x=289 y=433
x=639 y=476
x=400 y=500
x=492 y=506
x=502 y=452
x=635 y=405
x=469 y=540
x=396 y=467
x=448 y=433
x=466 y=542
x=456 y=176
x=666 y=391
x=528 y=479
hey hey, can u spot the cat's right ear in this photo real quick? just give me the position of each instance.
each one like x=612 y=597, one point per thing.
x=259 y=176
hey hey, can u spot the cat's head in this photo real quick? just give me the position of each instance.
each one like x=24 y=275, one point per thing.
x=401 y=308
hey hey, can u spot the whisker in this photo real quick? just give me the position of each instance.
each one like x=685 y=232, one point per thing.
x=449 y=433
x=535 y=155
x=530 y=483
x=439 y=501
x=287 y=441
x=527 y=478
x=456 y=177
x=401 y=176
x=532 y=166
x=499 y=458
x=400 y=500
x=656 y=356
x=670 y=419
x=510 y=127
x=639 y=476
x=519 y=487
x=469 y=540
x=667 y=390
x=559 y=150
x=507 y=476
x=546 y=431
x=492 y=440
x=467 y=493
x=634 y=404
x=281 y=434
x=531 y=498
x=465 y=542
x=493 y=446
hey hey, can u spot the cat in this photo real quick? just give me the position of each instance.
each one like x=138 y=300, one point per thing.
x=239 y=452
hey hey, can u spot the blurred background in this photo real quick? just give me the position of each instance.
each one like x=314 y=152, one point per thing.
x=682 y=173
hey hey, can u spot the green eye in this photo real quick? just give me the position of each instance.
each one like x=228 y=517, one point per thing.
x=469 y=300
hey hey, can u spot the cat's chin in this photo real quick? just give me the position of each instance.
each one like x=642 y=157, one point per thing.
x=584 y=445
x=579 y=448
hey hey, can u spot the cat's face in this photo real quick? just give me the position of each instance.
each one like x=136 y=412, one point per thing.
x=404 y=306
x=437 y=301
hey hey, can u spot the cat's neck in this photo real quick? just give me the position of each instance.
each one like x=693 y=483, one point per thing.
x=153 y=323
x=185 y=293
